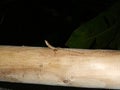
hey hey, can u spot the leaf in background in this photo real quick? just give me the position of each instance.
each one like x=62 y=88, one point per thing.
x=116 y=41
x=99 y=32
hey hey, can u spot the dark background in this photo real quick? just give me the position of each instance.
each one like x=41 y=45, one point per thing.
x=29 y=23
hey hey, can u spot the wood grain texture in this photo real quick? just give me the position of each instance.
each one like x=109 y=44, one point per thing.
x=63 y=67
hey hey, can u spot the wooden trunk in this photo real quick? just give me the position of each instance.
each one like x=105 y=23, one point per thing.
x=63 y=67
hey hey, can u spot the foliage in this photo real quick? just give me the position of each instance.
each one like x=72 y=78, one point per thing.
x=102 y=31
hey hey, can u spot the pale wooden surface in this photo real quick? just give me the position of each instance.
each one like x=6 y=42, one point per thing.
x=64 y=67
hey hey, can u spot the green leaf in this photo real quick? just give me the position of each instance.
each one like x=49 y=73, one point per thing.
x=99 y=32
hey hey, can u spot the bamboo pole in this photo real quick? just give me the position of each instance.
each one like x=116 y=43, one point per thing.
x=63 y=67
